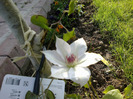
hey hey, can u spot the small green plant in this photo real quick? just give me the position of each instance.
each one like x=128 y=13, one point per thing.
x=49 y=95
x=112 y=93
x=63 y=18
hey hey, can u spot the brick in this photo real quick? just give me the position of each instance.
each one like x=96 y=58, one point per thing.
x=8 y=43
x=6 y=67
x=11 y=48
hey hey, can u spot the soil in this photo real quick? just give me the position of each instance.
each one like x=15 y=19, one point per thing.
x=101 y=75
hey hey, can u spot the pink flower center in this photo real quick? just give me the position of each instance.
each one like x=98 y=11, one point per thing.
x=71 y=58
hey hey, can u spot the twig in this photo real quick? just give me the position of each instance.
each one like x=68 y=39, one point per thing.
x=51 y=40
x=94 y=91
x=33 y=74
x=48 y=86
x=64 y=27
x=90 y=90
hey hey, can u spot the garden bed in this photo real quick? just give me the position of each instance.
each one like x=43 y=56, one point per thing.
x=87 y=28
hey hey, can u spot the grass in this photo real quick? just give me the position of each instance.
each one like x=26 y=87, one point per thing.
x=116 y=17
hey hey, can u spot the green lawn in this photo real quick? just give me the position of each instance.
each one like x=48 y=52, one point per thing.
x=116 y=17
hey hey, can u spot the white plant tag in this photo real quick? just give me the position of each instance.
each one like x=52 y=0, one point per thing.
x=16 y=87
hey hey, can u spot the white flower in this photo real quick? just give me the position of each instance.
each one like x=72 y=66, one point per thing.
x=71 y=61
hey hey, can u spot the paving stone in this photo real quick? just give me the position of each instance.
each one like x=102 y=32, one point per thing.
x=8 y=44
x=6 y=67
x=13 y=50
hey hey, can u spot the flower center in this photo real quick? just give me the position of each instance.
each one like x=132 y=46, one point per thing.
x=71 y=59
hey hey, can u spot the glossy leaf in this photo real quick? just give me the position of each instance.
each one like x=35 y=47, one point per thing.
x=72 y=5
x=110 y=87
x=67 y=36
x=49 y=94
x=113 y=94
x=41 y=21
x=72 y=96
x=36 y=19
x=30 y=95
x=128 y=91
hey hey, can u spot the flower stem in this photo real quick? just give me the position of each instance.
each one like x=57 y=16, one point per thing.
x=59 y=22
x=48 y=86
x=64 y=27
x=94 y=90
x=51 y=40
x=90 y=94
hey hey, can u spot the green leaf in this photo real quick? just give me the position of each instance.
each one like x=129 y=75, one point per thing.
x=128 y=91
x=86 y=85
x=45 y=27
x=72 y=5
x=89 y=82
x=105 y=62
x=113 y=94
x=49 y=94
x=72 y=96
x=30 y=95
x=41 y=21
x=75 y=84
x=67 y=36
x=110 y=87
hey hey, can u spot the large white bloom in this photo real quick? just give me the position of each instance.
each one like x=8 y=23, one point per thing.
x=71 y=61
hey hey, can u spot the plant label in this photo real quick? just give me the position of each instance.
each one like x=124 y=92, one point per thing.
x=16 y=87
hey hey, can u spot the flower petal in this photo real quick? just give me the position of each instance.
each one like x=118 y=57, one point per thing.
x=63 y=48
x=59 y=72
x=54 y=58
x=89 y=59
x=79 y=47
x=79 y=75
